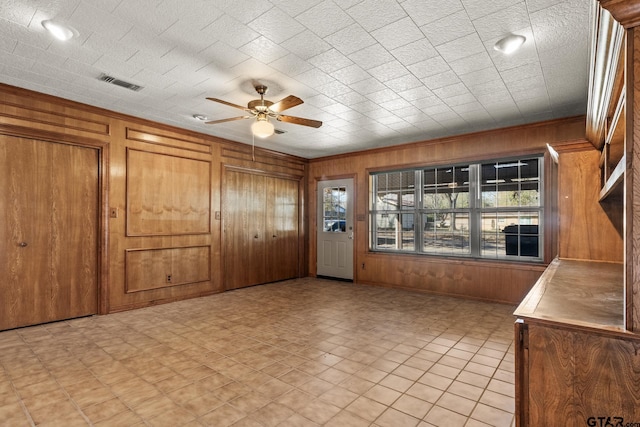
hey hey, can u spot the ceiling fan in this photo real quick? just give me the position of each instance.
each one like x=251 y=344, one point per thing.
x=262 y=109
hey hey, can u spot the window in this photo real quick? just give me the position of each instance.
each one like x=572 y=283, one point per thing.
x=481 y=210
x=334 y=209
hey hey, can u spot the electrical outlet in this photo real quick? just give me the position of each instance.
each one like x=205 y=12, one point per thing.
x=168 y=278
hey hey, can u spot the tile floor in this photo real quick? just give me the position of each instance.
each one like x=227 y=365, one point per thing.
x=304 y=352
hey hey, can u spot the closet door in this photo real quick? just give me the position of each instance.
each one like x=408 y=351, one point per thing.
x=282 y=229
x=48 y=231
x=260 y=222
x=244 y=229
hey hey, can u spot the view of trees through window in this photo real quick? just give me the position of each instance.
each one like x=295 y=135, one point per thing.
x=334 y=208
x=490 y=210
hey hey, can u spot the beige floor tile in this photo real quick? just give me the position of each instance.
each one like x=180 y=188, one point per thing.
x=382 y=394
x=425 y=392
x=297 y=420
x=347 y=419
x=104 y=410
x=412 y=405
x=500 y=401
x=434 y=380
x=465 y=390
x=319 y=411
x=442 y=417
x=338 y=396
x=394 y=418
x=408 y=372
x=296 y=399
x=492 y=416
x=301 y=352
x=272 y=414
x=172 y=418
x=366 y=408
x=334 y=375
x=222 y=416
x=456 y=403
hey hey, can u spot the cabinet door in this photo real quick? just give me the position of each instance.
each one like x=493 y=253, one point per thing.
x=48 y=231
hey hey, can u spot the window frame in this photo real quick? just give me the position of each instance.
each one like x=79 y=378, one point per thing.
x=475 y=211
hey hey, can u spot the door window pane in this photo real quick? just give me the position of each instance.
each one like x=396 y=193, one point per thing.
x=334 y=209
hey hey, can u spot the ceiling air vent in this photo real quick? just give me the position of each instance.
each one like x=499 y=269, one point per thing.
x=279 y=131
x=118 y=82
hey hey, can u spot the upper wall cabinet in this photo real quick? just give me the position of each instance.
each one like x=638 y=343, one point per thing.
x=607 y=102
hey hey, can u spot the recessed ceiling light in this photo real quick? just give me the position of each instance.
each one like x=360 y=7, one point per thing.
x=510 y=44
x=200 y=117
x=59 y=30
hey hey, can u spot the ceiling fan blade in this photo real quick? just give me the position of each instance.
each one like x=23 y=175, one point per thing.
x=300 y=121
x=230 y=104
x=214 y=122
x=286 y=103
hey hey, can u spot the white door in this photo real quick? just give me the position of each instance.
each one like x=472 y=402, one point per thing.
x=335 y=229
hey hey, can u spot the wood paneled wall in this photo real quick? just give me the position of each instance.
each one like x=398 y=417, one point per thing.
x=489 y=280
x=160 y=209
x=588 y=230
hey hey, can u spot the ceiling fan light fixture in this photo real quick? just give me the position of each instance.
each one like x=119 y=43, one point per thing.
x=59 y=30
x=262 y=128
x=510 y=43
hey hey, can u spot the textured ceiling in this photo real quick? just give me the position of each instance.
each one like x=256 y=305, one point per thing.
x=376 y=72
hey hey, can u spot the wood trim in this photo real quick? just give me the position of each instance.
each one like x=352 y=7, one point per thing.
x=627 y=12
x=293 y=177
x=264 y=158
x=42 y=117
x=164 y=140
x=103 y=176
x=572 y=146
x=521 y=129
x=632 y=176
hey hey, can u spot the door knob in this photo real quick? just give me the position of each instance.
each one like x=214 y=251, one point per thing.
x=274 y=236
x=23 y=244
x=255 y=237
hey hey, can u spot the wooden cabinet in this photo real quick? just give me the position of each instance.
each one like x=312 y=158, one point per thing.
x=577 y=333
x=49 y=215
x=575 y=361
x=260 y=223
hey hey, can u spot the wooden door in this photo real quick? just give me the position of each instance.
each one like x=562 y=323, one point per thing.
x=282 y=226
x=260 y=222
x=244 y=229
x=49 y=196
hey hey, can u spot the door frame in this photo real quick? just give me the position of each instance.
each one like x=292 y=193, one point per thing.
x=313 y=222
x=102 y=148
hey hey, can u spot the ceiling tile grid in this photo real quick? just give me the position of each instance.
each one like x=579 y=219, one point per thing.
x=376 y=72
